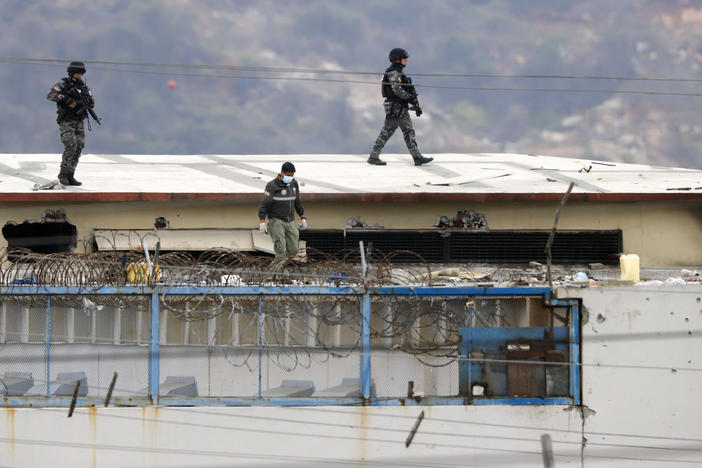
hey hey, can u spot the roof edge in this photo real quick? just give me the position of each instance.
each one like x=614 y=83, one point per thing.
x=114 y=197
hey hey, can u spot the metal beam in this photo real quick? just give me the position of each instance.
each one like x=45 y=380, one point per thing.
x=365 y=347
x=411 y=291
x=154 y=349
x=48 y=345
x=259 y=343
x=336 y=197
x=53 y=402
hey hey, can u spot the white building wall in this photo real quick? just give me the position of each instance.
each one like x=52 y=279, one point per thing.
x=658 y=332
x=640 y=412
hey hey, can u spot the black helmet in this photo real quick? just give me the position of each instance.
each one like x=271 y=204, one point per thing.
x=398 y=54
x=288 y=167
x=76 y=67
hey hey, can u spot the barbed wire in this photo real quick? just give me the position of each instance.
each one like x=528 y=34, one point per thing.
x=292 y=328
x=22 y=267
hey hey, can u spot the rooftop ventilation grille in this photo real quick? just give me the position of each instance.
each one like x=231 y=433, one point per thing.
x=476 y=247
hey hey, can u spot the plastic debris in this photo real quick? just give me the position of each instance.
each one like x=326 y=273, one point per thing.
x=581 y=277
x=232 y=280
x=675 y=282
x=51 y=185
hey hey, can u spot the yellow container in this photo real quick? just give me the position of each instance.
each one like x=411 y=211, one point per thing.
x=629 y=265
x=139 y=273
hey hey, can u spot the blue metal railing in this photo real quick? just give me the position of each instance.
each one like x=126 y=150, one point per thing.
x=365 y=296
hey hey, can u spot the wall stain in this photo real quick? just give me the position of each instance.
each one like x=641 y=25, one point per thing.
x=10 y=423
x=633 y=315
x=149 y=428
x=363 y=435
x=92 y=421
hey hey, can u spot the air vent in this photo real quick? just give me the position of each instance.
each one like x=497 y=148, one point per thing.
x=524 y=246
x=427 y=244
x=476 y=246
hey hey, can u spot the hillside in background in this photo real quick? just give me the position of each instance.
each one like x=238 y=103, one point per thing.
x=259 y=112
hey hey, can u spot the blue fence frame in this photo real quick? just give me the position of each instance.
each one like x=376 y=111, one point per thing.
x=364 y=295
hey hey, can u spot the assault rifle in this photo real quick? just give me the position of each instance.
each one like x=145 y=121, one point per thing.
x=415 y=106
x=81 y=95
x=414 y=101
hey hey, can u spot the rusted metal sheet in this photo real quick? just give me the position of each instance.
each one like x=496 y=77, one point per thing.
x=526 y=380
x=491 y=349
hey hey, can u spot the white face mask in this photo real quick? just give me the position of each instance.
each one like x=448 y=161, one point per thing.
x=287 y=179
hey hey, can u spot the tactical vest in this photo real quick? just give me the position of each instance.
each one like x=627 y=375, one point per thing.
x=64 y=111
x=387 y=87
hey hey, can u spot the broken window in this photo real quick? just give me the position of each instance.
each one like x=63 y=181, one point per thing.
x=518 y=349
x=510 y=349
x=52 y=234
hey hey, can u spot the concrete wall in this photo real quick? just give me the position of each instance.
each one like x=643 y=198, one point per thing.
x=642 y=380
x=661 y=233
x=655 y=402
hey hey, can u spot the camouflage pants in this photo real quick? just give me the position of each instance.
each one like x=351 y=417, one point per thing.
x=396 y=115
x=285 y=236
x=73 y=139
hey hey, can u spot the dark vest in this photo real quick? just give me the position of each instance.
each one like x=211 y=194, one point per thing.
x=65 y=112
x=387 y=88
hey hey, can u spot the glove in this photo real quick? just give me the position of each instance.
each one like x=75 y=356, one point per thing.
x=303 y=224
x=415 y=107
x=263 y=228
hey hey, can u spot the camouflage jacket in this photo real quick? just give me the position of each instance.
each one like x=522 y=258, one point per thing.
x=397 y=87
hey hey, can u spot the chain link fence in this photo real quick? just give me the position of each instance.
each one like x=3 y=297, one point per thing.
x=213 y=345
x=50 y=345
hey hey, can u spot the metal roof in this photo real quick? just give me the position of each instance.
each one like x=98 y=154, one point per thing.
x=334 y=177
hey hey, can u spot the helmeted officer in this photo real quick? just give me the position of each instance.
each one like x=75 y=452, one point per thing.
x=67 y=95
x=399 y=93
x=281 y=200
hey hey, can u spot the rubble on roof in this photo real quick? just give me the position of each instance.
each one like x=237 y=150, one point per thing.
x=465 y=219
x=355 y=222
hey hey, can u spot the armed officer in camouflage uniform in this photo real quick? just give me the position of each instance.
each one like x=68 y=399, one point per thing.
x=281 y=200
x=73 y=100
x=398 y=92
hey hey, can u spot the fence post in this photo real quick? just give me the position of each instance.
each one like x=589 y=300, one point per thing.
x=365 y=346
x=260 y=342
x=48 y=344
x=154 y=349
x=3 y=322
x=574 y=338
x=471 y=307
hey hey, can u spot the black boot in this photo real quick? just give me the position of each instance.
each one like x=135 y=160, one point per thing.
x=72 y=180
x=375 y=160
x=422 y=160
x=63 y=178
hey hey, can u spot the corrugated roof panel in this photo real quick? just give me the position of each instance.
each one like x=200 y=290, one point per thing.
x=327 y=177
